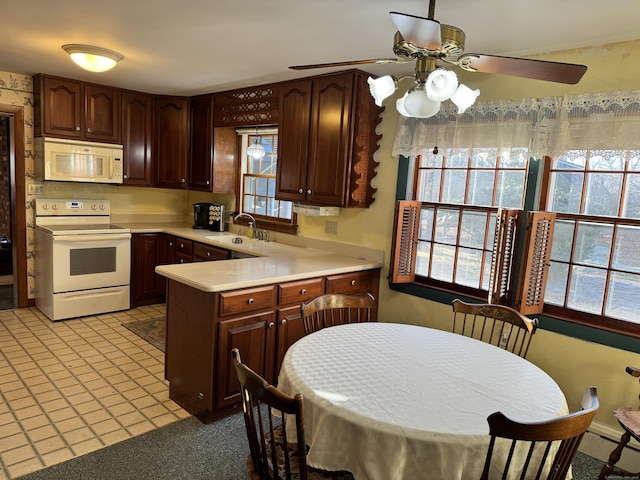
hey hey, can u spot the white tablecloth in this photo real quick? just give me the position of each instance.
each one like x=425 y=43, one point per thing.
x=391 y=401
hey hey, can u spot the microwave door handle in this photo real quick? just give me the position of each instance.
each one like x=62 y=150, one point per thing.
x=92 y=238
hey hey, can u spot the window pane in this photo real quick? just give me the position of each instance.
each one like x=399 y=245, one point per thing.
x=429 y=185
x=566 y=191
x=422 y=259
x=627 y=248
x=455 y=182
x=514 y=158
x=510 y=189
x=571 y=160
x=606 y=160
x=587 y=289
x=603 y=194
x=485 y=158
x=593 y=244
x=487 y=270
x=631 y=205
x=481 y=187
x=458 y=158
x=261 y=186
x=447 y=226
x=556 y=283
x=426 y=224
x=472 y=229
x=469 y=267
x=261 y=205
x=443 y=257
x=562 y=240
x=634 y=160
x=432 y=161
x=623 y=294
x=249 y=185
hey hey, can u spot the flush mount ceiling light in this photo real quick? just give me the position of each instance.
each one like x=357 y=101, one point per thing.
x=432 y=86
x=94 y=59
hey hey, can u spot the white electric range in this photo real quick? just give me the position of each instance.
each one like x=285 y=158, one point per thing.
x=82 y=261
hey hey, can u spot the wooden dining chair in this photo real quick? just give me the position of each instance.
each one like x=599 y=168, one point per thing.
x=629 y=420
x=335 y=309
x=495 y=324
x=528 y=446
x=272 y=454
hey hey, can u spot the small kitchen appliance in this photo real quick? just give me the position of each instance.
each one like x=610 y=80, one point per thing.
x=209 y=216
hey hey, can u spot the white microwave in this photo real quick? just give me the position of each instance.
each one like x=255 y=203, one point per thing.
x=77 y=161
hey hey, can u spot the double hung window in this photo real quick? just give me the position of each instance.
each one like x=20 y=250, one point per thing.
x=558 y=235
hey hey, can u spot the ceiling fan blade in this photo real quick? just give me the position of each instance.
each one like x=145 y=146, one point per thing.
x=346 y=63
x=419 y=31
x=569 y=73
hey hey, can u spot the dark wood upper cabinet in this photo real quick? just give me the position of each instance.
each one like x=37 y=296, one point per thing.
x=201 y=146
x=171 y=145
x=72 y=109
x=327 y=140
x=137 y=121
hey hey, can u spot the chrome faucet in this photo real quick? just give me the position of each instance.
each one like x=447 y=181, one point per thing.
x=259 y=233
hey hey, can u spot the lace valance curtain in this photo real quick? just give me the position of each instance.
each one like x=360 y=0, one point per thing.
x=546 y=126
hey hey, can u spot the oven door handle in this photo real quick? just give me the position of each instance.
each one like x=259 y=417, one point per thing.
x=92 y=238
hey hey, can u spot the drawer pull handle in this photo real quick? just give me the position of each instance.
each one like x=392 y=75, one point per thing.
x=250 y=301
x=182 y=245
x=353 y=282
x=271 y=324
x=303 y=291
x=208 y=254
x=283 y=322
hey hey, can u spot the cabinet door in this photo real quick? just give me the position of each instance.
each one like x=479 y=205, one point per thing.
x=102 y=113
x=61 y=107
x=254 y=336
x=293 y=140
x=171 y=145
x=137 y=114
x=290 y=329
x=201 y=146
x=146 y=285
x=330 y=140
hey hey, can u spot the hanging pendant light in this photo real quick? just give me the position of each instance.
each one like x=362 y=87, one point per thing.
x=256 y=151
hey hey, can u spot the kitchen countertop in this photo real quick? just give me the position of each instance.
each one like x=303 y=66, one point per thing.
x=274 y=262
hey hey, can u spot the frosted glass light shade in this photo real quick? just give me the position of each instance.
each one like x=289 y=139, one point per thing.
x=441 y=84
x=256 y=151
x=93 y=59
x=400 y=106
x=417 y=104
x=382 y=88
x=464 y=97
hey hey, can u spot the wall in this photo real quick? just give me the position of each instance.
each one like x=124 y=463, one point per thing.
x=574 y=364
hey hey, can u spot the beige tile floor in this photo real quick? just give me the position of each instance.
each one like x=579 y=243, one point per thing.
x=72 y=387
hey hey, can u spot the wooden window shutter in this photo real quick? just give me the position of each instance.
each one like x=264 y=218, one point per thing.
x=532 y=279
x=504 y=244
x=405 y=242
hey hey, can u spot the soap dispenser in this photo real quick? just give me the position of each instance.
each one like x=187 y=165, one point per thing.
x=250 y=232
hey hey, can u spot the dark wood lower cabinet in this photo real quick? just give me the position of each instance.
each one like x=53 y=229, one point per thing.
x=262 y=322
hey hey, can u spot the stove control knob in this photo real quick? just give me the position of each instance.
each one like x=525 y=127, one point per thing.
x=45 y=206
x=54 y=207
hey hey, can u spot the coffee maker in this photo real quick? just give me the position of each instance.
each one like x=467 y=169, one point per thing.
x=208 y=216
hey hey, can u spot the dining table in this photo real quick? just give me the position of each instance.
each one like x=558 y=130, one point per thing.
x=389 y=401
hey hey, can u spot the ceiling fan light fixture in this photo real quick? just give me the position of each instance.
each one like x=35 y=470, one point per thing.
x=464 y=97
x=256 y=151
x=93 y=59
x=382 y=87
x=441 y=84
x=417 y=103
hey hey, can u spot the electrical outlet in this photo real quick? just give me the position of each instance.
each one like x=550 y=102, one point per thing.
x=331 y=227
x=35 y=189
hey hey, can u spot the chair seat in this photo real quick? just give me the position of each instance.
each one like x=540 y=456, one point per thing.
x=629 y=419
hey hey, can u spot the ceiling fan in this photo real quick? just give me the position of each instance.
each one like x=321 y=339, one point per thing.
x=433 y=44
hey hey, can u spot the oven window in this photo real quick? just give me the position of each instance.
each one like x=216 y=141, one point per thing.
x=85 y=261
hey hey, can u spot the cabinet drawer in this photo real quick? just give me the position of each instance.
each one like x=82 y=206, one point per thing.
x=183 y=246
x=183 y=257
x=205 y=253
x=351 y=282
x=248 y=300
x=298 y=292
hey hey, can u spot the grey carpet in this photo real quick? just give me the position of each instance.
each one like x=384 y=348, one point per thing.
x=153 y=330
x=189 y=449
